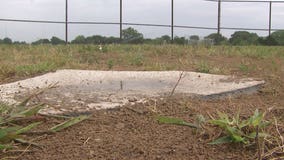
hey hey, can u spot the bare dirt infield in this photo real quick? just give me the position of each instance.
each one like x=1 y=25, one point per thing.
x=125 y=133
x=132 y=132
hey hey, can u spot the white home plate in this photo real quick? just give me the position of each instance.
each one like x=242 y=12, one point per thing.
x=83 y=91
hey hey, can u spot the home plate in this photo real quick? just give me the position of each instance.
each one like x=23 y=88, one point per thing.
x=84 y=91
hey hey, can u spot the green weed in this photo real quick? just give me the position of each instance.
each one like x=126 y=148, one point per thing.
x=244 y=68
x=237 y=130
x=175 y=121
x=203 y=67
x=11 y=117
x=35 y=68
x=110 y=64
x=137 y=60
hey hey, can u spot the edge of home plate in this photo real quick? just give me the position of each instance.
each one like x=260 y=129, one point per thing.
x=109 y=89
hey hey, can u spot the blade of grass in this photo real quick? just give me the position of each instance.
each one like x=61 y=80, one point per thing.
x=175 y=121
x=222 y=140
x=28 y=128
x=30 y=112
x=4 y=132
x=25 y=101
x=22 y=141
x=68 y=123
x=5 y=147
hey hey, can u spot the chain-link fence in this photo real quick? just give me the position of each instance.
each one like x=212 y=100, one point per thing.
x=121 y=23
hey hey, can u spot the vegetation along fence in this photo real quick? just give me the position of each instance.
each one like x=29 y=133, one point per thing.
x=121 y=23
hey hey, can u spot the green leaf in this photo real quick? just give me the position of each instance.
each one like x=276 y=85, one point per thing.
x=222 y=140
x=231 y=130
x=30 y=112
x=244 y=123
x=4 y=132
x=219 y=122
x=5 y=147
x=237 y=139
x=264 y=124
x=256 y=118
x=68 y=123
x=27 y=128
x=175 y=121
x=261 y=135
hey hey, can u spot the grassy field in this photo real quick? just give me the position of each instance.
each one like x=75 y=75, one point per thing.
x=155 y=141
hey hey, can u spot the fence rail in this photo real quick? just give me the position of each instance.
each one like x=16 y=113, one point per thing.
x=172 y=25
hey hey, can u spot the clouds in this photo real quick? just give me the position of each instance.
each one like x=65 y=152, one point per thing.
x=187 y=12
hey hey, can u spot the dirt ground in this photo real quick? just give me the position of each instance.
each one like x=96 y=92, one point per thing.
x=132 y=132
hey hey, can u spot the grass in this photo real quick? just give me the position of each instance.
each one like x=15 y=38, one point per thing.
x=239 y=130
x=203 y=67
x=27 y=60
x=19 y=61
x=13 y=125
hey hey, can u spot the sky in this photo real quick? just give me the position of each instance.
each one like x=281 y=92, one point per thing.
x=187 y=12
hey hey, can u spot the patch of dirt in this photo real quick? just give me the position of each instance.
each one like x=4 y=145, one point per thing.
x=132 y=132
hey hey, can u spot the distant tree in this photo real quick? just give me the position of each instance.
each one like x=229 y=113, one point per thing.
x=79 y=40
x=1 y=41
x=278 y=36
x=243 y=38
x=194 y=38
x=19 y=43
x=7 y=41
x=112 y=40
x=130 y=35
x=269 y=41
x=180 y=40
x=96 y=39
x=217 y=38
x=166 y=39
x=41 y=41
x=56 y=41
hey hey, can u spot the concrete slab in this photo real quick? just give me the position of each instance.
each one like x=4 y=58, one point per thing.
x=82 y=90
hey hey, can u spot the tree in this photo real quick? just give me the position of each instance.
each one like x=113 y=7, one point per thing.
x=19 y=43
x=130 y=35
x=166 y=39
x=7 y=41
x=278 y=36
x=41 y=41
x=217 y=38
x=194 y=38
x=96 y=39
x=269 y=41
x=56 y=41
x=79 y=40
x=244 y=38
x=112 y=40
x=180 y=40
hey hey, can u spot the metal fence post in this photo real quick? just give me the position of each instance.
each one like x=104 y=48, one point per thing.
x=120 y=30
x=219 y=17
x=66 y=22
x=270 y=17
x=172 y=25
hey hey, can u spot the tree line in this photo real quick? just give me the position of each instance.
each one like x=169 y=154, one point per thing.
x=132 y=36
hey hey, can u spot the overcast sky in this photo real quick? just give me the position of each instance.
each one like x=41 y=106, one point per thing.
x=187 y=12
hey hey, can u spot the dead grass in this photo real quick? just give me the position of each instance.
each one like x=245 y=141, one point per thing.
x=26 y=60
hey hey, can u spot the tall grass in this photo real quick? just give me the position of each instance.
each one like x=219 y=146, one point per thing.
x=29 y=60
